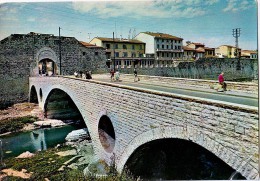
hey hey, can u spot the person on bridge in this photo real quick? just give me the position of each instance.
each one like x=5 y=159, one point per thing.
x=135 y=74
x=221 y=81
x=112 y=73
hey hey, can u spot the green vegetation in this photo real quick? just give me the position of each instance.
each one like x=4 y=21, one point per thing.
x=15 y=124
x=45 y=164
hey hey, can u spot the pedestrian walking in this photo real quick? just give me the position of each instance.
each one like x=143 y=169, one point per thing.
x=117 y=75
x=112 y=74
x=222 y=82
x=135 y=76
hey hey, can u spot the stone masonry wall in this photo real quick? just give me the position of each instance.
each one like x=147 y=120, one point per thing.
x=18 y=59
x=207 y=68
x=229 y=131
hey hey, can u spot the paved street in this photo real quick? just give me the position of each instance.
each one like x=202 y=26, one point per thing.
x=228 y=96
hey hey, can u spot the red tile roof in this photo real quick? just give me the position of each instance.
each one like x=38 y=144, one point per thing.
x=163 y=36
x=89 y=45
x=118 y=40
x=186 y=48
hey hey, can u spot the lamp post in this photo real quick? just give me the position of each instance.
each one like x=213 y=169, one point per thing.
x=114 y=53
x=60 y=49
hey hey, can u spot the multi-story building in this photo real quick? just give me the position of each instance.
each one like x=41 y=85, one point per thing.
x=164 y=48
x=227 y=51
x=249 y=54
x=201 y=51
x=188 y=53
x=127 y=52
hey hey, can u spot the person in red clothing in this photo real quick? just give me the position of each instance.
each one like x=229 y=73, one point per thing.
x=221 y=81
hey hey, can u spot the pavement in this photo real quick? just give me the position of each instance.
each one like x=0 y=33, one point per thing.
x=230 y=96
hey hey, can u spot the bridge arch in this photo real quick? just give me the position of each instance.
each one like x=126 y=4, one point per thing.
x=185 y=133
x=33 y=98
x=46 y=62
x=59 y=105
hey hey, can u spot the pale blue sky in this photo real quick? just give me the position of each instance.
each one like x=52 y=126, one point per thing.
x=204 y=21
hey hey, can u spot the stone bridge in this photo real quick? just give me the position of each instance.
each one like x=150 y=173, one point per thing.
x=134 y=116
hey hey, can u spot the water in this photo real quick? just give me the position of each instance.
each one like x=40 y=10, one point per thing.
x=176 y=159
x=41 y=139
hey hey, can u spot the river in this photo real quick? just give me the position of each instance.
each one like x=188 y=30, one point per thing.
x=40 y=139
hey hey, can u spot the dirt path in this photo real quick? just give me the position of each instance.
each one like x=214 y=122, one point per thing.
x=21 y=110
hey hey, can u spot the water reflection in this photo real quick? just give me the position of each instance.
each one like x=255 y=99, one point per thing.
x=38 y=140
x=17 y=143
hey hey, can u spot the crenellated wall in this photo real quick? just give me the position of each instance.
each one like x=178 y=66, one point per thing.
x=230 y=131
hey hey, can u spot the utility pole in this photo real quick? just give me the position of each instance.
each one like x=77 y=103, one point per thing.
x=236 y=34
x=60 y=49
x=114 y=53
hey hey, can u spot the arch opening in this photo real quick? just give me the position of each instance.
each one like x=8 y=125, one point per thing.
x=106 y=133
x=47 y=67
x=40 y=94
x=33 y=95
x=177 y=159
x=59 y=105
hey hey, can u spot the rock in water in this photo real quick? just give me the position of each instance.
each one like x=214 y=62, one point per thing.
x=78 y=135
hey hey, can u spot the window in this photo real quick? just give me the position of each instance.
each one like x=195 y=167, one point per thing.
x=158 y=46
x=83 y=53
x=118 y=62
x=124 y=54
x=127 y=63
x=108 y=46
x=162 y=46
x=141 y=47
x=176 y=47
x=171 y=46
x=167 y=47
x=162 y=54
x=140 y=55
x=96 y=53
x=124 y=46
x=162 y=40
x=116 y=46
x=133 y=47
x=133 y=54
x=167 y=54
x=116 y=54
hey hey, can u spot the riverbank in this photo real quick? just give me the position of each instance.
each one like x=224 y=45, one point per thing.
x=73 y=160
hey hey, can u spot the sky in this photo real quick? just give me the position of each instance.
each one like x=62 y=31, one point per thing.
x=210 y=22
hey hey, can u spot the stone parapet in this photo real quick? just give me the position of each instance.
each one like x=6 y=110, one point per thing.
x=229 y=131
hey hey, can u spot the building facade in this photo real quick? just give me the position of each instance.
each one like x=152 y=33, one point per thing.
x=249 y=54
x=164 y=48
x=127 y=53
x=227 y=51
x=201 y=51
x=35 y=54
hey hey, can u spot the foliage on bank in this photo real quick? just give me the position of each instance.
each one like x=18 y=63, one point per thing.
x=46 y=164
x=15 y=124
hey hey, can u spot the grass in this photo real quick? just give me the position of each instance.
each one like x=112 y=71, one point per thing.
x=45 y=164
x=15 y=124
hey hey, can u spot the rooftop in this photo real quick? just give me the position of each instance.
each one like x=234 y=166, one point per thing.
x=119 y=40
x=163 y=36
x=89 y=45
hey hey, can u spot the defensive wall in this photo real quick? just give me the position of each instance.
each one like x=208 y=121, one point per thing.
x=138 y=116
x=206 y=68
x=20 y=55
